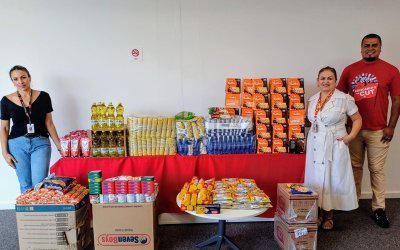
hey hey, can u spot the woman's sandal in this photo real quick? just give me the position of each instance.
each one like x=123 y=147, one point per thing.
x=320 y=218
x=327 y=224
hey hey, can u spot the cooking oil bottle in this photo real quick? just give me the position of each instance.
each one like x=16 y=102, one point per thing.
x=120 y=144
x=119 y=119
x=96 y=146
x=112 y=146
x=110 y=117
x=94 y=118
x=102 y=109
x=104 y=148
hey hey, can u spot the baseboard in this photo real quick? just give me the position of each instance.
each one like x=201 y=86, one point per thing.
x=7 y=205
x=389 y=195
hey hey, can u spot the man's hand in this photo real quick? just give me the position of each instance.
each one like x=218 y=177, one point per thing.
x=387 y=135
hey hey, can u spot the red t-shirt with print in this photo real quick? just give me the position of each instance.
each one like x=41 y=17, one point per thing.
x=370 y=85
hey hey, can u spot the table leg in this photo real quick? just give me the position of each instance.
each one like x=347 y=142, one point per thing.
x=218 y=239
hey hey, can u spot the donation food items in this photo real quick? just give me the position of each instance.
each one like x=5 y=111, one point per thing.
x=234 y=193
x=234 y=135
x=151 y=136
x=103 y=117
x=190 y=134
x=54 y=190
x=121 y=189
x=75 y=144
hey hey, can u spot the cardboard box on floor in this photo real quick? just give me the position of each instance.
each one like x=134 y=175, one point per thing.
x=295 y=236
x=125 y=226
x=56 y=227
x=296 y=208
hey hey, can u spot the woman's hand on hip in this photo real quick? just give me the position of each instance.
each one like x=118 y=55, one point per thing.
x=346 y=139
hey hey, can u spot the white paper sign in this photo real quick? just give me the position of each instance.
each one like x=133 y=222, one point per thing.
x=300 y=232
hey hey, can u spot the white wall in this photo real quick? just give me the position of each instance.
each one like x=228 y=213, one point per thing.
x=79 y=52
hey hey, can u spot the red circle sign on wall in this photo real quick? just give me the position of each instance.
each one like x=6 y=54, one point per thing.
x=135 y=53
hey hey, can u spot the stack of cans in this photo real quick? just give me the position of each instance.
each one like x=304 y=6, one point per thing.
x=94 y=181
x=121 y=189
x=148 y=188
x=135 y=190
x=108 y=192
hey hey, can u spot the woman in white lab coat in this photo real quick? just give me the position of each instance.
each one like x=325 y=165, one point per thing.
x=328 y=164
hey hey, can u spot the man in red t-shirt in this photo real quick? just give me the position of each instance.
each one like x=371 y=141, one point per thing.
x=370 y=81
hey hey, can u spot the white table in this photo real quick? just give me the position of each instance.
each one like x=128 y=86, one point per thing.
x=226 y=214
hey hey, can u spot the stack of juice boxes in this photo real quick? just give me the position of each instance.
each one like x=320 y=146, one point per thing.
x=295 y=225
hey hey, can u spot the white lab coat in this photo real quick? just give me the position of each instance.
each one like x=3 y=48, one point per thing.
x=328 y=164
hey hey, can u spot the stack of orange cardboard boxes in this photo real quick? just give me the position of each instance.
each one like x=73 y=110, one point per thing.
x=279 y=103
x=232 y=96
x=296 y=133
x=295 y=218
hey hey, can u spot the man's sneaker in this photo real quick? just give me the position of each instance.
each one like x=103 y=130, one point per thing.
x=380 y=218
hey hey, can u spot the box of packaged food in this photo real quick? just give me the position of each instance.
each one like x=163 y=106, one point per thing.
x=296 y=117
x=277 y=85
x=208 y=208
x=264 y=146
x=54 y=226
x=296 y=208
x=295 y=236
x=295 y=86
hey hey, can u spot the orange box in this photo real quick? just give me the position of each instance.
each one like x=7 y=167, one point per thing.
x=264 y=146
x=296 y=117
x=262 y=116
x=247 y=100
x=247 y=86
x=296 y=208
x=295 y=86
x=232 y=85
x=279 y=101
x=295 y=236
x=296 y=101
x=279 y=131
x=296 y=132
x=277 y=85
x=232 y=100
x=263 y=131
x=248 y=112
x=261 y=101
x=279 y=145
x=278 y=116
x=260 y=86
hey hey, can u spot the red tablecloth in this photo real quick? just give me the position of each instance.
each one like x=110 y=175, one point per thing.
x=171 y=172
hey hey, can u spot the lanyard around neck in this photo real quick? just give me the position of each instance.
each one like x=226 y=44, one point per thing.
x=321 y=104
x=27 y=113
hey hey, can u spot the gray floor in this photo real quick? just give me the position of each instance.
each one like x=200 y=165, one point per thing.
x=353 y=230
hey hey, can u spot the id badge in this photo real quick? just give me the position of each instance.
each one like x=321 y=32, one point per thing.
x=315 y=127
x=30 y=128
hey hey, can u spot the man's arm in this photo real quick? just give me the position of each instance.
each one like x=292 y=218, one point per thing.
x=394 y=116
x=343 y=84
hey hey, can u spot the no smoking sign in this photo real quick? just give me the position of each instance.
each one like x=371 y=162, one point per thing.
x=137 y=54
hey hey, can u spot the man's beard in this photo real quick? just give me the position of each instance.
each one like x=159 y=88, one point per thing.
x=370 y=59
